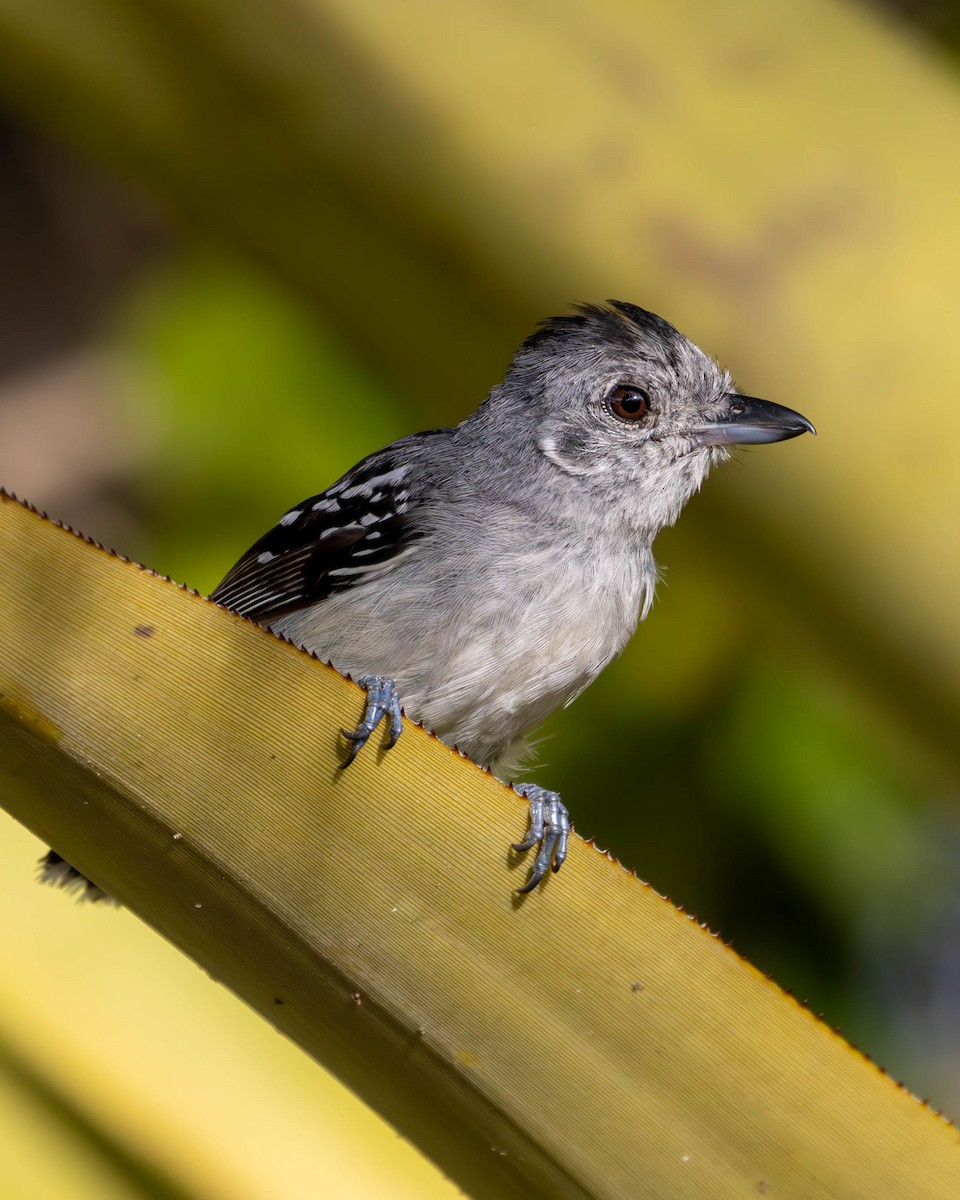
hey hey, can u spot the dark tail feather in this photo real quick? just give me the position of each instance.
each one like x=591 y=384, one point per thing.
x=57 y=871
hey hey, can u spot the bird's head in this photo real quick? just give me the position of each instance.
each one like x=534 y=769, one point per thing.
x=616 y=397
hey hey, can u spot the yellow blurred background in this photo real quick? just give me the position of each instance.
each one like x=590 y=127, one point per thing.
x=242 y=246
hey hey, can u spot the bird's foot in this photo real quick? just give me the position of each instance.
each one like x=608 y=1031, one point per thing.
x=382 y=701
x=549 y=829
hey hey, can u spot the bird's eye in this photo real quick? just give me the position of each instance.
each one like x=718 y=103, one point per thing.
x=629 y=403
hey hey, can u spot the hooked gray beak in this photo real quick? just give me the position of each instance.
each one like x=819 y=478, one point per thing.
x=747 y=421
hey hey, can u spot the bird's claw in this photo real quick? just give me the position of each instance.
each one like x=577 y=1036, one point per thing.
x=549 y=829
x=549 y=819
x=382 y=701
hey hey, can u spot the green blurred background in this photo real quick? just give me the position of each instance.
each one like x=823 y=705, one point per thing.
x=244 y=245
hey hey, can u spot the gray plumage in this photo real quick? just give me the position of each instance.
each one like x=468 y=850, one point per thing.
x=536 y=518
x=520 y=542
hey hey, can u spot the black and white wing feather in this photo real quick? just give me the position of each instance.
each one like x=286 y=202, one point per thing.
x=355 y=530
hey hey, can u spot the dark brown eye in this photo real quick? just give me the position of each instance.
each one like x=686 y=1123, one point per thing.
x=629 y=403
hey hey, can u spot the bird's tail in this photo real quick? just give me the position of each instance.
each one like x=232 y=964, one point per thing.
x=55 y=870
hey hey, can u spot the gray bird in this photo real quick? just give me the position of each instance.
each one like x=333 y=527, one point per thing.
x=484 y=575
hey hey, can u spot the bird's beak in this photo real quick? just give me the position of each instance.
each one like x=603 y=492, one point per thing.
x=747 y=421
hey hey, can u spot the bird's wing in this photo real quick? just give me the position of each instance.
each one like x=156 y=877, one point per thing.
x=357 y=529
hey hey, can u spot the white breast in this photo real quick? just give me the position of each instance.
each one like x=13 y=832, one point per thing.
x=484 y=646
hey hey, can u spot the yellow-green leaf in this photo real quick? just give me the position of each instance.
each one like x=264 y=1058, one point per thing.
x=586 y=1041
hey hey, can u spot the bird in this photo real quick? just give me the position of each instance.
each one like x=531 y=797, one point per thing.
x=480 y=577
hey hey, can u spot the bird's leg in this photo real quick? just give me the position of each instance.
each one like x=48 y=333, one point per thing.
x=382 y=701
x=549 y=829
x=549 y=819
